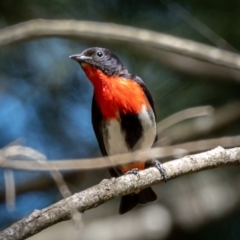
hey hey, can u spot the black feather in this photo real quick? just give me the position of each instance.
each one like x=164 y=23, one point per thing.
x=132 y=128
x=97 y=125
x=130 y=201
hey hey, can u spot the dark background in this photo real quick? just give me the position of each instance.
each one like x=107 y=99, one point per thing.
x=45 y=102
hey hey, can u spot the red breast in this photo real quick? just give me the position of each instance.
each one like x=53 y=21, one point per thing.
x=115 y=94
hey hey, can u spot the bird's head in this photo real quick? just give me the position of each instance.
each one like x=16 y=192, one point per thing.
x=102 y=59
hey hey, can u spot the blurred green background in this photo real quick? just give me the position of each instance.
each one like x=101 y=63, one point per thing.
x=45 y=102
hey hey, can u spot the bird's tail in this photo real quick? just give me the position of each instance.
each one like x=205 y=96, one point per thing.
x=130 y=201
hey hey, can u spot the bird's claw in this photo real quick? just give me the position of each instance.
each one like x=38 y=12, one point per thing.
x=155 y=163
x=134 y=171
x=162 y=170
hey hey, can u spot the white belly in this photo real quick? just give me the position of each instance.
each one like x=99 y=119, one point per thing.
x=114 y=137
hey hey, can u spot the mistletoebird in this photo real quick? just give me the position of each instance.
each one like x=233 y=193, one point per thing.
x=123 y=116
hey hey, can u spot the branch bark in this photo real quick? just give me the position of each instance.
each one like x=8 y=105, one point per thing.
x=116 y=187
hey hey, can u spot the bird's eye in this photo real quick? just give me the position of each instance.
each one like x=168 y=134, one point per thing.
x=99 y=54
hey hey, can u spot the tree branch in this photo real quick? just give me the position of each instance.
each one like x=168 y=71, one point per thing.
x=116 y=187
x=40 y=28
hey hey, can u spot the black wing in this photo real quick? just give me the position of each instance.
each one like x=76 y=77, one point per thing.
x=146 y=91
x=148 y=95
x=97 y=127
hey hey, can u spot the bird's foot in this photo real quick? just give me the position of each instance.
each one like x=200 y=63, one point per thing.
x=159 y=166
x=134 y=171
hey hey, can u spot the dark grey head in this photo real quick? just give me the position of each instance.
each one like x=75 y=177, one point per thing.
x=102 y=59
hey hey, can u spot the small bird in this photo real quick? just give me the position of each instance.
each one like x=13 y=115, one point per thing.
x=123 y=116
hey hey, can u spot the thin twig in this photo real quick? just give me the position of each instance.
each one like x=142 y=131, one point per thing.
x=103 y=162
x=184 y=115
x=9 y=189
x=65 y=192
x=196 y=24
x=13 y=151
x=203 y=126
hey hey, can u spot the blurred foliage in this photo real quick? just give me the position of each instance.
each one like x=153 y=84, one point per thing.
x=45 y=98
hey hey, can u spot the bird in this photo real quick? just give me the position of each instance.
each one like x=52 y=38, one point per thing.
x=123 y=116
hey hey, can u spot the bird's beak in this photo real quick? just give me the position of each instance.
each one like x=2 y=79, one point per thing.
x=79 y=57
